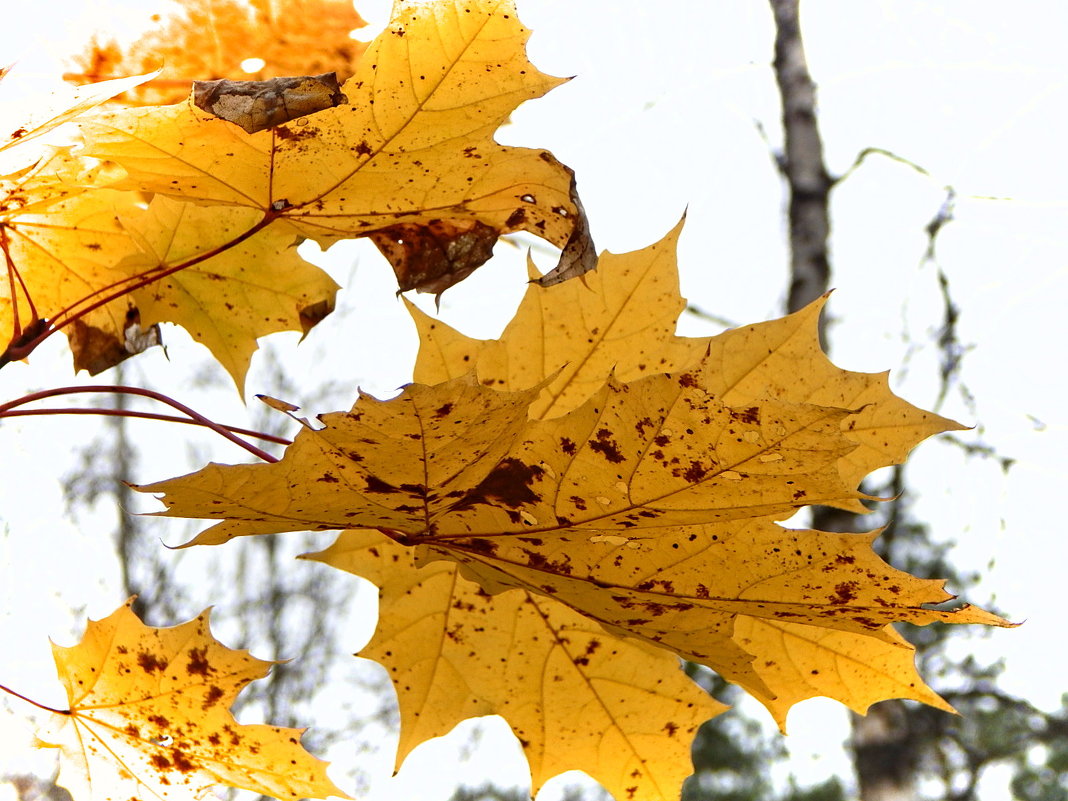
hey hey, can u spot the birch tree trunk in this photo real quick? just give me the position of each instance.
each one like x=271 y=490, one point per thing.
x=884 y=757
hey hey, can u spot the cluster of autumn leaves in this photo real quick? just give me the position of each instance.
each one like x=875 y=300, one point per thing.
x=552 y=518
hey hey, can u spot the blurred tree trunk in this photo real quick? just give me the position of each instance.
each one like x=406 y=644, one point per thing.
x=884 y=754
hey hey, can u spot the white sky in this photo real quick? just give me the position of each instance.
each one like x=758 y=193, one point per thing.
x=662 y=116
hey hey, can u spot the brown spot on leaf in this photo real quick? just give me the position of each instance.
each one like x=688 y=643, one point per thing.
x=541 y=562
x=643 y=424
x=198 y=662
x=150 y=663
x=694 y=473
x=182 y=763
x=213 y=697
x=749 y=415
x=508 y=483
x=482 y=545
x=606 y=446
x=567 y=446
x=844 y=592
x=375 y=484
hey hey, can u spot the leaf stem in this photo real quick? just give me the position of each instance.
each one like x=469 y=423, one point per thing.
x=196 y=418
x=9 y=691
x=166 y=418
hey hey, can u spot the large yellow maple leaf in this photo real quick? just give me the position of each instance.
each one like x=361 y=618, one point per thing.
x=621 y=320
x=409 y=160
x=647 y=507
x=149 y=717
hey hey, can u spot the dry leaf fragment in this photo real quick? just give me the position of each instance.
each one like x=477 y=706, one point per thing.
x=149 y=718
x=433 y=257
x=95 y=350
x=579 y=255
x=259 y=105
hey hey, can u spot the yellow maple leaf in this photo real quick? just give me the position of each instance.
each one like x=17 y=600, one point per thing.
x=149 y=716
x=72 y=247
x=409 y=161
x=620 y=320
x=648 y=507
x=575 y=697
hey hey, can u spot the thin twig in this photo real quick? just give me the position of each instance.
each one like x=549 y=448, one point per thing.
x=221 y=430
x=166 y=418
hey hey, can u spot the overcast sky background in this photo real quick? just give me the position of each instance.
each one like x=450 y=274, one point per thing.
x=663 y=116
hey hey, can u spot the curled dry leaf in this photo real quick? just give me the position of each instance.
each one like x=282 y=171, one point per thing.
x=433 y=257
x=259 y=105
x=149 y=717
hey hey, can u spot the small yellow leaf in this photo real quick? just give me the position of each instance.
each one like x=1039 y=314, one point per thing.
x=244 y=291
x=149 y=716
